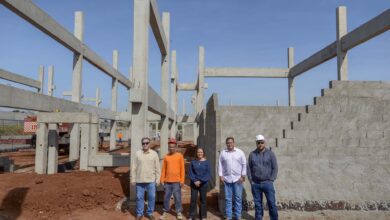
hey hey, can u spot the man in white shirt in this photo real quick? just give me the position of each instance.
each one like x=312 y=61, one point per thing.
x=232 y=172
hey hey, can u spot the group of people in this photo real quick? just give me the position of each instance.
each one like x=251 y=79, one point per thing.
x=261 y=170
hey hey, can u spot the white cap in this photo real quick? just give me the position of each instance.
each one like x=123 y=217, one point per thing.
x=260 y=137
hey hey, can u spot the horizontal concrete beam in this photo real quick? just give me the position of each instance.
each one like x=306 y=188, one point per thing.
x=247 y=72
x=12 y=97
x=365 y=32
x=13 y=77
x=157 y=28
x=370 y=29
x=27 y=10
x=157 y=105
x=314 y=60
x=185 y=119
x=109 y=160
x=67 y=117
x=13 y=116
x=186 y=86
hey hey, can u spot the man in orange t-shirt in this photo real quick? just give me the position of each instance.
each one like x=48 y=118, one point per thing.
x=172 y=177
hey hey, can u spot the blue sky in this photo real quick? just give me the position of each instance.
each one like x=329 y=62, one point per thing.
x=248 y=33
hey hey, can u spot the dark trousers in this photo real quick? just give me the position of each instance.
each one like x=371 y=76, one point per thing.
x=202 y=190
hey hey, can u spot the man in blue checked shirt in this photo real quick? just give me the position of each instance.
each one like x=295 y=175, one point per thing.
x=232 y=172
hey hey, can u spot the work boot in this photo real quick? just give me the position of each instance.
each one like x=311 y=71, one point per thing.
x=179 y=216
x=151 y=217
x=164 y=215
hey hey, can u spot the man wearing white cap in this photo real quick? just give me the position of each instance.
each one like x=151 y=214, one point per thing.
x=262 y=172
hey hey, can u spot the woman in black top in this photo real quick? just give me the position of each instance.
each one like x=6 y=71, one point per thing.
x=199 y=175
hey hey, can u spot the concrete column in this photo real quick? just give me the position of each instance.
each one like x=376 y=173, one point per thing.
x=97 y=100
x=174 y=92
x=291 y=85
x=114 y=85
x=94 y=147
x=156 y=129
x=41 y=149
x=41 y=78
x=184 y=106
x=129 y=105
x=200 y=91
x=50 y=79
x=193 y=102
x=195 y=129
x=164 y=133
x=52 y=161
x=342 y=59
x=85 y=145
x=74 y=148
x=114 y=101
x=139 y=94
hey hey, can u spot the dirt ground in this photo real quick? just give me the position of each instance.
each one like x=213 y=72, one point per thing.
x=75 y=195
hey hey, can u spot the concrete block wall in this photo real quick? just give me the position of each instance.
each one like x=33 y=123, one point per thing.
x=243 y=123
x=336 y=155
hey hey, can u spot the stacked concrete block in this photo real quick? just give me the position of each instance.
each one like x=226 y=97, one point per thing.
x=243 y=123
x=338 y=151
x=334 y=154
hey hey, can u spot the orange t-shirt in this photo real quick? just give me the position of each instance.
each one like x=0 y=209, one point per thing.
x=173 y=168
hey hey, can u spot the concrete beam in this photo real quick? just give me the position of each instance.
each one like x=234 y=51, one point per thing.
x=157 y=28
x=67 y=117
x=13 y=77
x=12 y=97
x=370 y=29
x=314 y=60
x=109 y=160
x=12 y=116
x=365 y=32
x=157 y=105
x=27 y=10
x=186 y=86
x=186 y=119
x=247 y=72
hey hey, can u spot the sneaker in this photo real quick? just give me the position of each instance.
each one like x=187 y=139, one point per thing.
x=139 y=217
x=164 y=215
x=151 y=217
x=179 y=216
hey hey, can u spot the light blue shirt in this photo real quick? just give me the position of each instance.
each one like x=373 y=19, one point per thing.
x=232 y=165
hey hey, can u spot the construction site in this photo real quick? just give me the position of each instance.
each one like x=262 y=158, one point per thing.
x=61 y=158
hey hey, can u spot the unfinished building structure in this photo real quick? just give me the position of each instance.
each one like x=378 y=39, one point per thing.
x=327 y=152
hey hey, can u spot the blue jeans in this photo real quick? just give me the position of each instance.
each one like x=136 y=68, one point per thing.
x=150 y=188
x=268 y=189
x=233 y=190
x=175 y=189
